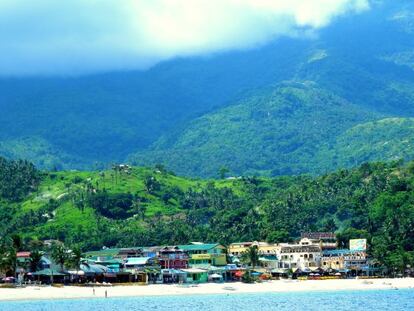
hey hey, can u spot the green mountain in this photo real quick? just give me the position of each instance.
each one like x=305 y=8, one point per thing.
x=197 y=114
x=275 y=132
x=386 y=139
x=150 y=206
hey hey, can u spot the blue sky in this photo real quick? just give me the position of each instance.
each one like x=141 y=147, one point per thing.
x=66 y=37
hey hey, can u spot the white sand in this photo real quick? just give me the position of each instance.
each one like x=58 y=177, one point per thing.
x=48 y=292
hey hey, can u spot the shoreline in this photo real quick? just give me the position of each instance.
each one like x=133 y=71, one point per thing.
x=280 y=286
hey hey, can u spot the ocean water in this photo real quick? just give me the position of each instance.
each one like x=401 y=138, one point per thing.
x=395 y=300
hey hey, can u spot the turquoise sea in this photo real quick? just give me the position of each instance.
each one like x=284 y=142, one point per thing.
x=394 y=300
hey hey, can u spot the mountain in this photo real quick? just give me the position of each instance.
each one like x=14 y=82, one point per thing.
x=132 y=206
x=386 y=139
x=362 y=62
x=277 y=132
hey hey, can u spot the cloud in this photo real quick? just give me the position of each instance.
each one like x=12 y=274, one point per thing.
x=47 y=37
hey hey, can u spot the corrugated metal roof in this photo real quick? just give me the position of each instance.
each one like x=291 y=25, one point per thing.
x=137 y=260
x=194 y=270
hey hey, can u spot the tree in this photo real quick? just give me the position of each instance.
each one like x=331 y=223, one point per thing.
x=151 y=184
x=138 y=209
x=251 y=256
x=278 y=236
x=17 y=242
x=35 y=258
x=223 y=171
x=35 y=244
x=8 y=258
x=60 y=254
x=75 y=258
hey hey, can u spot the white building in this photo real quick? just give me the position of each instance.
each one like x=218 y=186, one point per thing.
x=305 y=255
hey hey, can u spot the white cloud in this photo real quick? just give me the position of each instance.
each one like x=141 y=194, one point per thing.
x=80 y=36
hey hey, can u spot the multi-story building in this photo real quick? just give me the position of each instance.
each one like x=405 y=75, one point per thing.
x=326 y=240
x=172 y=257
x=205 y=255
x=351 y=261
x=263 y=248
x=304 y=255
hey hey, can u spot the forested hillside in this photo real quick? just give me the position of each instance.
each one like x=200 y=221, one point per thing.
x=197 y=114
x=149 y=206
x=280 y=131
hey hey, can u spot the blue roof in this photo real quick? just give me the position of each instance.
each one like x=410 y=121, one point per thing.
x=199 y=247
x=337 y=252
x=92 y=268
x=140 y=261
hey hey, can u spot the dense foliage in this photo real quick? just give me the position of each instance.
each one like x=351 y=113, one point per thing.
x=286 y=130
x=143 y=206
x=17 y=179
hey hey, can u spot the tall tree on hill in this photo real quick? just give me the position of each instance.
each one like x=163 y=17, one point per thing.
x=223 y=171
x=151 y=184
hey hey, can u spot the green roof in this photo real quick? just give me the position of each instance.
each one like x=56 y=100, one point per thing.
x=109 y=252
x=49 y=272
x=199 y=247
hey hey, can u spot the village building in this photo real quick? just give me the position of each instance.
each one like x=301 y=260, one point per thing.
x=114 y=253
x=263 y=248
x=304 y=255
x=173 y=257
x=142 y=269
x=326 y=240
x=205 y=255
x=352 y=262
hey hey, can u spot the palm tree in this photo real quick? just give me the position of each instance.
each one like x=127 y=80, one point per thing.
x=35 y=257
x=251 y=256
x=8 y=259
x=138 y=209
x=59 y=254
x=76 y=258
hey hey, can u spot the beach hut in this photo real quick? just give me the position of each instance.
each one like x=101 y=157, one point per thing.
x=93 y=272
x=279 y=273
x=50 y=275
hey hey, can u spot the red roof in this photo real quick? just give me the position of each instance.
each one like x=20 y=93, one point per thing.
x=23 y=254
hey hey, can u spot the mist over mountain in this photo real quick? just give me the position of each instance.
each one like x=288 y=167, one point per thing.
x=291 y=106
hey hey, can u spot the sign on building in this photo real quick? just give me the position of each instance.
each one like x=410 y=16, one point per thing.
x=358 y=245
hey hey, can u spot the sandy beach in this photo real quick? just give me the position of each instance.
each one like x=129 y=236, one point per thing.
x=67 y=292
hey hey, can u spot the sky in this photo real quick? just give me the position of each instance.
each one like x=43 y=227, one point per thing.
x=72 y=37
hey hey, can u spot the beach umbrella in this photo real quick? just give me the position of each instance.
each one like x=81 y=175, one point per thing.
x=239 y=274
